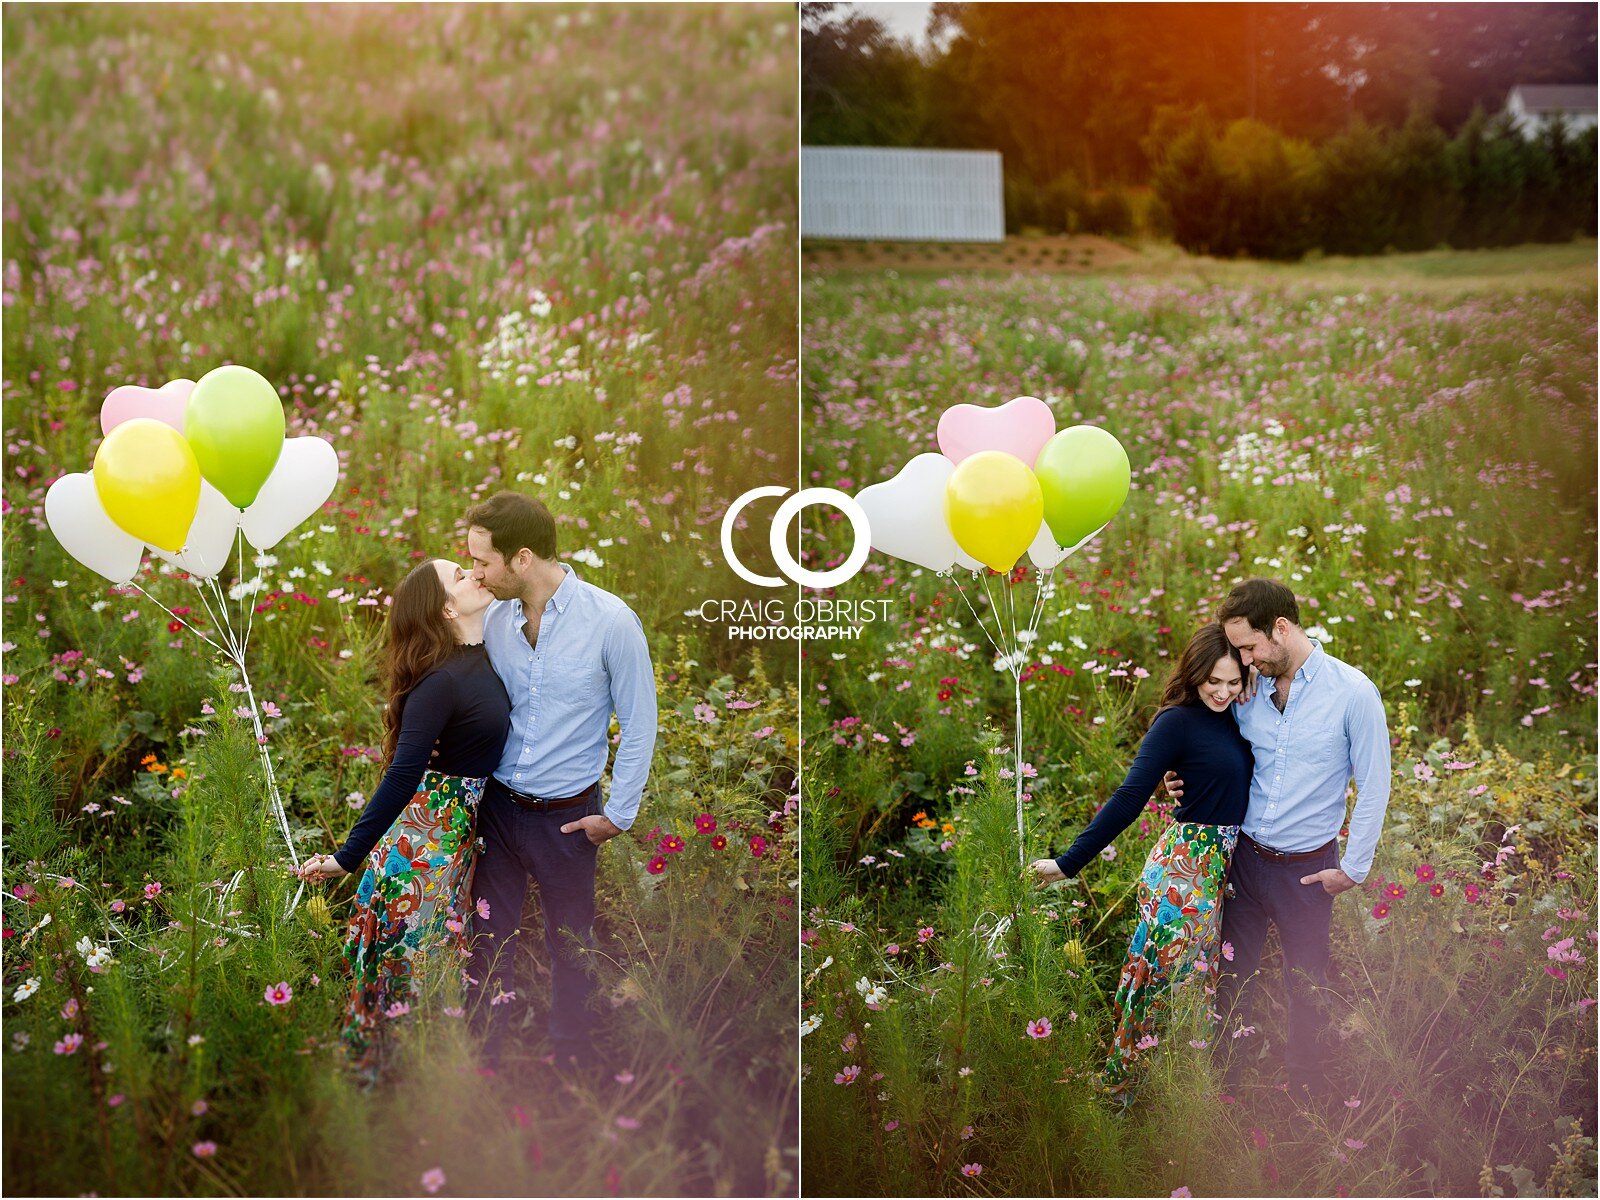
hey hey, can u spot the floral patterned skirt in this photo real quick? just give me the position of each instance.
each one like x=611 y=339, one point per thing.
x=1180 y=924
x=412 y=901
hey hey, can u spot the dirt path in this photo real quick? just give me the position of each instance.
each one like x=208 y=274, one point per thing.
x=1566 y=266
x=1078 y=254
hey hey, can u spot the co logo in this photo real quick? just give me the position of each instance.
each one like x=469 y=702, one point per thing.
x=781 y=520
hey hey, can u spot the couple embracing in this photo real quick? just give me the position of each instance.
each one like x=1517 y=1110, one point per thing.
x=1260 y=775
x=502 y=681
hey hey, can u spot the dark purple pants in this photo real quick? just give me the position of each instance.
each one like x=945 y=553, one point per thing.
x=1270 y=893
x=519 y=846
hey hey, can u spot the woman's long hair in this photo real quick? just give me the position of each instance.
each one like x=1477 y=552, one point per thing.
x=1194 y=666
x=420 y=638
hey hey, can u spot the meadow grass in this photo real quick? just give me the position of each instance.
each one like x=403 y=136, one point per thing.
x=1417 y=463
x=476 y=249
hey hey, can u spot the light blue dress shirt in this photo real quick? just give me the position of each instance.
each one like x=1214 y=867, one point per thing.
x=591 y=660
x=1333 y=728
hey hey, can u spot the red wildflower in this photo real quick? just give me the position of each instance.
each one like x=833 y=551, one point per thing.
x=1425 y=873
x=1381 y=909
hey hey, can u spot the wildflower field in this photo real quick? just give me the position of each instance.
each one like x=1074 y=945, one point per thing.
x=546 y=249
x=1411 y=446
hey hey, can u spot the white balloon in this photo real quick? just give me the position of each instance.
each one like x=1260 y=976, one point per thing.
x=75 y=515
x=210 y=539
x=1046 y=555
x=306 y=474
x=907 y=515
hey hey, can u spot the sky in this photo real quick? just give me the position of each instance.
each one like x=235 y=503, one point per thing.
x=909 y=20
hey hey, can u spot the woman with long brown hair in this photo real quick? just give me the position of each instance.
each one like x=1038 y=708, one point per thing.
x=1180 y=889
x=444 y=729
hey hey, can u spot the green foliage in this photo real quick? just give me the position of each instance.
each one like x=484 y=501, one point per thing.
x=1368 y=189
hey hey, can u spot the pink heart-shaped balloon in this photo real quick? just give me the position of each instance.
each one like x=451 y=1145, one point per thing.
x=165 y=404
x=1018 y=427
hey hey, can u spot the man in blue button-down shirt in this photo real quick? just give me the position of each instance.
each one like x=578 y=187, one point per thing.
x=1318 y=724
x=570 y=655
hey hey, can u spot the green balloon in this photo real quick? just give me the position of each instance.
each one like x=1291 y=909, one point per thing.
x=234 y=423
x=1083 y=472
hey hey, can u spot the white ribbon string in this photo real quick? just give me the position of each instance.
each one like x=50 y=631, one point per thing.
x=235 y=650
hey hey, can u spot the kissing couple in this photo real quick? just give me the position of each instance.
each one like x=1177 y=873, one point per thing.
x=1261 y=776
x=503 y=678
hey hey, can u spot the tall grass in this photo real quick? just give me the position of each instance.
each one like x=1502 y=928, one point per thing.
x=475 y=248
x=1418 y=466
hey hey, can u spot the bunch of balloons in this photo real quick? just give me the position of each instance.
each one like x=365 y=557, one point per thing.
x=193 y=470
x=182 y=469
x=1004 y=484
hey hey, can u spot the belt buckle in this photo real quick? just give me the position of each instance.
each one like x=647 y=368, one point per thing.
x=1269 y=853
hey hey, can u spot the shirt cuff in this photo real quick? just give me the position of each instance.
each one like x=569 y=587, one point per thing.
x=613 y=815
x=1356 y=876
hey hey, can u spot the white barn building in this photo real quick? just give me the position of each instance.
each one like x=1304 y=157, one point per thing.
x=879 y=194
x=1531 y=107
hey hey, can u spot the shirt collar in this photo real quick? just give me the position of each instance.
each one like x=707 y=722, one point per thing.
x=561 y=597
x=1308 y=669
x=567 y=590
x=1313 y=663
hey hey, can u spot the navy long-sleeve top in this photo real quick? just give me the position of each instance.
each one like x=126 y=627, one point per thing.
x=1207 y=751
x=459 y=709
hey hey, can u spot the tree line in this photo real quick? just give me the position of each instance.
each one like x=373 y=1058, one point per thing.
x=1266 y=130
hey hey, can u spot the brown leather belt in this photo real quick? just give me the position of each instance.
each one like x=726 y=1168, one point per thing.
x=1279 y=856
x=539 y=803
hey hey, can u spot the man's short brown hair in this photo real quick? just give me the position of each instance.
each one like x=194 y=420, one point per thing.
x=1260 y=602
x=513 y=521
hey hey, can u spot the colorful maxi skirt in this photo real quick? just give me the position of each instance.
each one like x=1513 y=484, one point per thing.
x=1180 y=924
x=412 y=902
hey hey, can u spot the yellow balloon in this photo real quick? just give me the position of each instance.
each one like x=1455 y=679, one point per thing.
x=993 y=506
x=148 y=482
